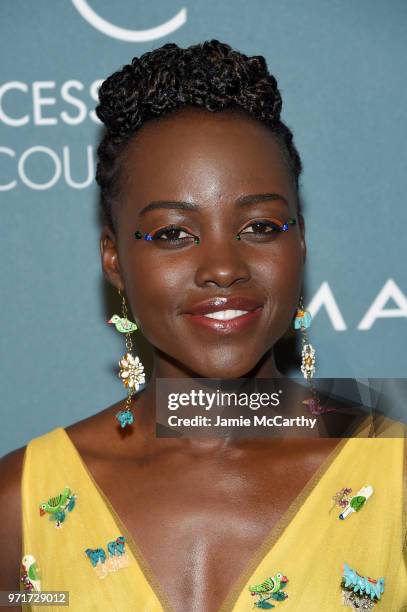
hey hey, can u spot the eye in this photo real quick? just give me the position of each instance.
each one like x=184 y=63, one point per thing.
x=263 y=227
x=172 y=234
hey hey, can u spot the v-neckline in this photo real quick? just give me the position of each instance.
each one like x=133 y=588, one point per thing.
x=228 y=604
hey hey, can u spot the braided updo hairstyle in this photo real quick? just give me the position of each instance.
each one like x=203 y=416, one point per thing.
x=210 y=75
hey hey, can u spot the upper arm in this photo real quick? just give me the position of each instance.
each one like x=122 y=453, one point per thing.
x=10 y=519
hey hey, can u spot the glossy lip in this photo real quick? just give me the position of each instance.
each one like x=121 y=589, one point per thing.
x=223 y=303
x=196 y=314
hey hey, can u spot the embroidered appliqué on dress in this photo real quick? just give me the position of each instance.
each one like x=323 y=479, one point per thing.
x=58 y=506
x=29 y=574
x=357 y=502
x=360 y=592
x=271 y=588
x=116 y=559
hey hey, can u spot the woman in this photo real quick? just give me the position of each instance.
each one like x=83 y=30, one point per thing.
x=195 y=156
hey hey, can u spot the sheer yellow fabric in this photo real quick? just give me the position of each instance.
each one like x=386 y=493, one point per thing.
x=308 y=545
x=51 y=463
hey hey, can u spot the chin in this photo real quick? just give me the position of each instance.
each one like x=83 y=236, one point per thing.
x=227 y=371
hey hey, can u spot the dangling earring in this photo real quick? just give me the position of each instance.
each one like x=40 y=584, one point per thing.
x=131 y=369
x=302 y=321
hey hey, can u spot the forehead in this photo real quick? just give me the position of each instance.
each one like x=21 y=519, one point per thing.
x=198 y=154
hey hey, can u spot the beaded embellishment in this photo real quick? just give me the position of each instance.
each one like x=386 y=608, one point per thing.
x=271 y=588
x=302 y=319
x=29 y=574
x=131 y=370
x=58 y=506
x=116 y=559
x=341 y=498
x=308 y=360
x=316 y=408
x=277 y=227
x=360 y=592
x=356 y=503
x=122 y=324
x=138 y=235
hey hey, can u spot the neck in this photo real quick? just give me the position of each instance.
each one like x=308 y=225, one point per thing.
x=165 y=367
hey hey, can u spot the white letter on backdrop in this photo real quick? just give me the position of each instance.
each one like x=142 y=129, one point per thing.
x=39 y=102
x=52 y=155
x=324 y=297
x=5 y=118
x=389 y=291
x=68 y=97
x=11 y=184
x=67 y=169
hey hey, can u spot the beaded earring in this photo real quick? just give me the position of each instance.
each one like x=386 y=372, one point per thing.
x=302 y=322
x=131 y=369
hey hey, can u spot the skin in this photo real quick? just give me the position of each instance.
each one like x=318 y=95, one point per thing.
x=210 y=159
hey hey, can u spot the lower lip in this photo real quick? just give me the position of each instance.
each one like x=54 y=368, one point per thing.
x=226 y=326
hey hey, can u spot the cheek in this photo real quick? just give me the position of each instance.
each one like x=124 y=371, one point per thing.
x=281 y=276
x=283 y=267
x=154 y=287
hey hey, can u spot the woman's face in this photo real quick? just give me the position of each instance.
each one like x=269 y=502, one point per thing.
x=208 y=160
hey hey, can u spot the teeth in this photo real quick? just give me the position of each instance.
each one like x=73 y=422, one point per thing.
x=225 y=315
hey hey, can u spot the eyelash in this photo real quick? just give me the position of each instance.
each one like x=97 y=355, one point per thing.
x=274 y=225
x=157 y=235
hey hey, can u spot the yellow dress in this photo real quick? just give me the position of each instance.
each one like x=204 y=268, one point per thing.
x=308 y=545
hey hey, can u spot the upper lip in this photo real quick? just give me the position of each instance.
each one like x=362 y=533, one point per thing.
x=223 y=303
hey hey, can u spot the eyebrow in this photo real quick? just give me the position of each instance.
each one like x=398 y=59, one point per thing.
x=246 y=200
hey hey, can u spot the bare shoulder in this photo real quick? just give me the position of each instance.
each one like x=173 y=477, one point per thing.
x=11 y=466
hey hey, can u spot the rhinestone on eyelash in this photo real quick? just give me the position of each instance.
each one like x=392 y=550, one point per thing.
x=283 y=228
x=138 y=235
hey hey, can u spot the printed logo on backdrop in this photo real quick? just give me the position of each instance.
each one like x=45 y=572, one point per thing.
x=114 y=31
x=43 y=108
x=40 y=167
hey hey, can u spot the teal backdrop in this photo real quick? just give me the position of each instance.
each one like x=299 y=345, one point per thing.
x=341 y=67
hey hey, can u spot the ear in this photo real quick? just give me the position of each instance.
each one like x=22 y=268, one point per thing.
x=301 y=224
x=110 y=259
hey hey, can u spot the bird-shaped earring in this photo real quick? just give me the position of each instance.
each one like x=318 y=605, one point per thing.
x=122 y=324
x=131 y=369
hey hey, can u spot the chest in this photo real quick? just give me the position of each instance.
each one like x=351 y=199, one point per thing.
x=199 y=526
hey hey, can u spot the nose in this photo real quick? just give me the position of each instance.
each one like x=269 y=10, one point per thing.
x=222 y=264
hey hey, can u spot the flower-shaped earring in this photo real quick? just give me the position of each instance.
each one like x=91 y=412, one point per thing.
x=131 y=369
